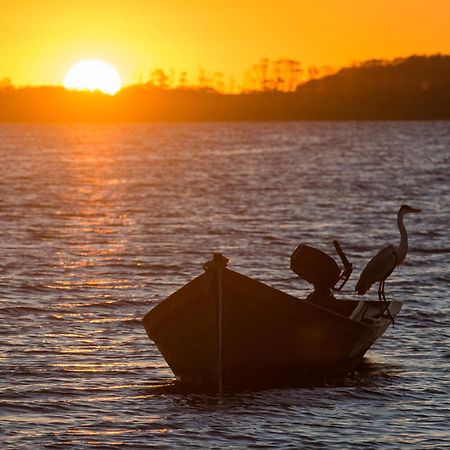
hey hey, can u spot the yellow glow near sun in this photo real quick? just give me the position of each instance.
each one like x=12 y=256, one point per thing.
x=93 y=75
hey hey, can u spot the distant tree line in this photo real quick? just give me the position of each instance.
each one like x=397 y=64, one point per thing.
x=283 y=75
x=417 y=88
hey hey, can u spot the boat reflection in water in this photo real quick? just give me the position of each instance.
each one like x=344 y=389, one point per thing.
x=227 y=332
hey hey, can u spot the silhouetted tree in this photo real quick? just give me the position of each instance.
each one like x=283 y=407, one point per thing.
x=5 y=82
x=183 y=80
x=313 y=72
x=159 y=78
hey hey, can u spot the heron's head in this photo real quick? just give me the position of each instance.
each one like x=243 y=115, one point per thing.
x=408 y=209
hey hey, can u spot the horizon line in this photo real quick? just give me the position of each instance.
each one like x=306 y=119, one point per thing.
x=7 y=82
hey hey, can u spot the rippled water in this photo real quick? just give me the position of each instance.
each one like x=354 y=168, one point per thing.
x=99 y=223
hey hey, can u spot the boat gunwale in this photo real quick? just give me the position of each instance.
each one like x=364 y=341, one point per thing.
x=343 y=322
x=166 y=307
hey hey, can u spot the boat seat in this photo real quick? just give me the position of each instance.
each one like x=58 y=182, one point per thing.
x=358 y=312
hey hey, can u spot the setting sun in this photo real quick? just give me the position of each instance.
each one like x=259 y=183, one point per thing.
x=93 y=75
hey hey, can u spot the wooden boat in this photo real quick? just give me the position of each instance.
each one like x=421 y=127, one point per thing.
x=227 y=330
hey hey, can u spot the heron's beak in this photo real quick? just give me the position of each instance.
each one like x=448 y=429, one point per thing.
x=414 y=210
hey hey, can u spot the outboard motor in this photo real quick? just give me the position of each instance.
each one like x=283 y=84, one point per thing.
x=321 y=270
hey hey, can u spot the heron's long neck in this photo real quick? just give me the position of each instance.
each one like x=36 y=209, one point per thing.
x=403 y=247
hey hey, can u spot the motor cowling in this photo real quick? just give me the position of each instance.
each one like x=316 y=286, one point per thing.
x=316 y=267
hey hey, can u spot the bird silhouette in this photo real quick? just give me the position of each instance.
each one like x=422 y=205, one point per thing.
x=385 y=261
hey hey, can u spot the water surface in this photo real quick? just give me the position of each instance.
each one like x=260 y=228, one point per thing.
x=99 y=223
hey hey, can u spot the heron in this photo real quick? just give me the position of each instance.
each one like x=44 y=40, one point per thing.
x=386 y=260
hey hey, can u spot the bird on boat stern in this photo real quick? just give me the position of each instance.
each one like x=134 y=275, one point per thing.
x=386 y=260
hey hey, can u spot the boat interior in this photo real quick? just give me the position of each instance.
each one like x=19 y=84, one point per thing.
x=322 y=271
x=359 y=310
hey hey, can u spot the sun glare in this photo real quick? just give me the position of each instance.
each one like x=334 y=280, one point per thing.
x=93 y=75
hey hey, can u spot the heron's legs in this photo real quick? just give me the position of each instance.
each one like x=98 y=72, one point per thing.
x=382 y=297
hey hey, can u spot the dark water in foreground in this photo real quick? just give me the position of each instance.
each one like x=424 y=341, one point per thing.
x=99 y=223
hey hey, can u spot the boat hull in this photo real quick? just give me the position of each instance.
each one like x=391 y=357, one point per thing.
x=259 y=335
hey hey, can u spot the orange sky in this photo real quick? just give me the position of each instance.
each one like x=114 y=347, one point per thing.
x=39 y=40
